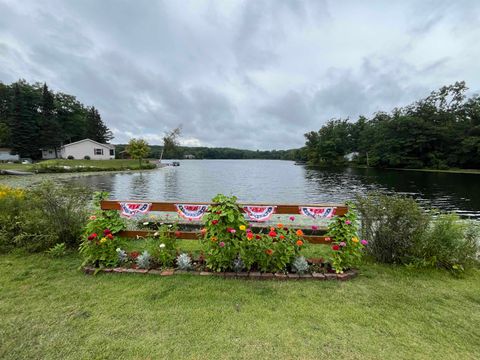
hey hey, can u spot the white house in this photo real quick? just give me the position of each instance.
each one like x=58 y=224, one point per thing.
x=80 y=149
x=6 y=155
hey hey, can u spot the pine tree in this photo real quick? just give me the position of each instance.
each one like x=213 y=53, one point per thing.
x=50 y=130
x=96 y=128
x=23 y=126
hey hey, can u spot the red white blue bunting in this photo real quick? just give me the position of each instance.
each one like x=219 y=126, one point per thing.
x=317 y=212
x=191 y=212
x=259 y=213
x=131 y=209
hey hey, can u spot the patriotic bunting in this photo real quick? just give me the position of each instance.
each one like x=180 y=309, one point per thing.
x=191 y=212
x=259 y=213
x=131 y=209
x=317 y=212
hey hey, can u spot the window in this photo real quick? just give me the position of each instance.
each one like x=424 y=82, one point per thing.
x=112 y=152
x=97 y=151
x=50 y=151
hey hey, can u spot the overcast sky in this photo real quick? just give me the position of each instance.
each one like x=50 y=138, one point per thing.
x=248 y=74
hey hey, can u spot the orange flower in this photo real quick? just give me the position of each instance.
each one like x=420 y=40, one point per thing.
x=279 y=225
x=299 y=232
x=299 y=242
x=214 y=238
x=355 y=239
x=272 y=228
x=269 y=251
x=282 y=237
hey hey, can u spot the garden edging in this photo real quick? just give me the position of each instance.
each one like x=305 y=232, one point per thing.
x=347 y=275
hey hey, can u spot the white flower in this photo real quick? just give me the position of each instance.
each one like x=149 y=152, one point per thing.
x=155 y=233
x=170 y=225
x=118 y=250
x=162 y=246
x=146 y=223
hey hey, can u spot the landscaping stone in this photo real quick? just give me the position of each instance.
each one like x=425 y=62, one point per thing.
x=155 y=272
x=305 y=276
x=318 y=276
x=229 y=274
x=107 y=270
x=118 y=270
x=88 y=270
x=293 y=276
x=255 y=275
x=280 y=276
x=242 y=275
x=330 y=276
x=205 y=273
x=268 y=276
x=167 y=272
x=179 y=272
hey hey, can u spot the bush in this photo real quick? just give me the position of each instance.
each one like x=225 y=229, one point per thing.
x=392 y=225
x=86 y=157
x=163 y=246
x=37 y=219
x=70 y=157
x=448 y=243
x=399 y=231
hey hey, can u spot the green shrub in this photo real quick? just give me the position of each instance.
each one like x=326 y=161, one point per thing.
x=58 y=250
x=392 y=225
x=448 y=243
x=400 y=231
x=163 y=245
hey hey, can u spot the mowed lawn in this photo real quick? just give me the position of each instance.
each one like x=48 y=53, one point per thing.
x=114 y=164
x=50 y=310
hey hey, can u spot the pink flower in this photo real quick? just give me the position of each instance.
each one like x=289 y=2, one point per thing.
x=328 y=239
x=348 y=222
x=314 y=227
x=93 y=217
x=364 y=242
x=221 y=244
x=342 y=244
x=233 y=231
x=214 y=222
x=292 y=218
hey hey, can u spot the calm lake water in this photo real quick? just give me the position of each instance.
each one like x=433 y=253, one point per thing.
x=284 y=182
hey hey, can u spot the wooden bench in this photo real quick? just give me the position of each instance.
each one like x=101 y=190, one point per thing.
x=312 y=236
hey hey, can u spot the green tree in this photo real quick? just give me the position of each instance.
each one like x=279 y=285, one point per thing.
x=138 y=149
x=50 y=130
x=96 y=129
x=171 y=144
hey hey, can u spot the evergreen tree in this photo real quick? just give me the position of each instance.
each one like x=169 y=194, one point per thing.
x=96 y=128
x=50 y=131
x=23 y=126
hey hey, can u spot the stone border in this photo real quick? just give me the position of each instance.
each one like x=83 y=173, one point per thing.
x=347 y=275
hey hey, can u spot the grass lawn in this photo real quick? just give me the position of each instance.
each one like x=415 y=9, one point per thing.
x=75 y=165
x=50 y=310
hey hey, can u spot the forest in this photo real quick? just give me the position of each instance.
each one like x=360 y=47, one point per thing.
x=33 y=117
x=440 y=131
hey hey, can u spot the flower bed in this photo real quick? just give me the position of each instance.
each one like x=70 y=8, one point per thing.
x=230 y=245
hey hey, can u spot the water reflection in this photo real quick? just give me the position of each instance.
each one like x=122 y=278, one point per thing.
x=284 y=182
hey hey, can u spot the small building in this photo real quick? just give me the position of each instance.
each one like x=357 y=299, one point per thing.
x=82 y=149
x=6 y=154
x=189 y=156
x=351 y=156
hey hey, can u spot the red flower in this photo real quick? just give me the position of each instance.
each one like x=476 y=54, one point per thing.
x=249 y=236
x=91 y=237
x=282 y=237
x=269 y=251
x=106 y=232
x=178 y=233
x=257 y=237
x=134 y=255
x=272 y=233
x=335 y=247
x=110 y=236
x=214 y=222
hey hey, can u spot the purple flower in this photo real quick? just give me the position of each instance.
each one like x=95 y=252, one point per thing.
x=292 y=218
x=314 y=227
x=221 y=244
x=342 y=244
x=364 y=242
x=348 y=222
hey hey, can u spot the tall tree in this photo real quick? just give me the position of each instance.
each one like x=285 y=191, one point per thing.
x=96 y=128
x=50 y=130
x=138 y=149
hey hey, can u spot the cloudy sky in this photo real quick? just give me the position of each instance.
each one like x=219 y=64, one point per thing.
x=250 y=74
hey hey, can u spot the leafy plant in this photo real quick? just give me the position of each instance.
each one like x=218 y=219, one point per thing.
x=184 y=262
x=100 y=250
x=104 y=219
x=122 y=256
x=163 y=245
x=58 y=250
x=222 y=233
x=300 y=265
x=347 y=248
x=238 y=264
x=143 y=261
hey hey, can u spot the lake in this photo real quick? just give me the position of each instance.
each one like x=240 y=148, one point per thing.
x=278 y=181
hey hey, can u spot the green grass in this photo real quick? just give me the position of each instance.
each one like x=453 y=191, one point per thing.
x=77 y=165
x=50 y=310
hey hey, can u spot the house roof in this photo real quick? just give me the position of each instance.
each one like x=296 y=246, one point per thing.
x=111 y=146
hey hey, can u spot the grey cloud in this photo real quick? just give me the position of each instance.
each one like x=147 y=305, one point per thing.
x=250 y=74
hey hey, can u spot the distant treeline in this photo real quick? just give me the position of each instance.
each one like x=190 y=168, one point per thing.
x=218 y=153
x=33 y=117
x=440 y=131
